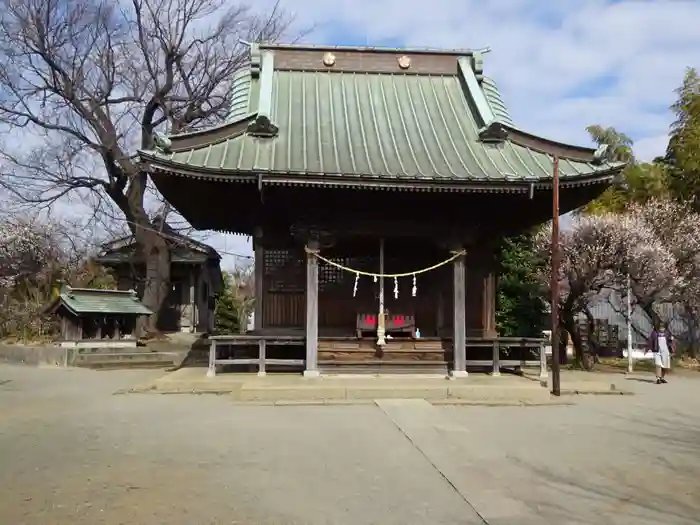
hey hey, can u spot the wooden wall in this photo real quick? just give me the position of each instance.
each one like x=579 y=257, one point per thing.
x=284 y=278
x=284 y=281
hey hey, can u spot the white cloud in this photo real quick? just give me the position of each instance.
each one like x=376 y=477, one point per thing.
x=561 y=65
x=548 y=57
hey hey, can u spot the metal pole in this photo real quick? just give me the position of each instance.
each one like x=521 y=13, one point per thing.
x=630 y=361
x=554 y=285
x=381 y=329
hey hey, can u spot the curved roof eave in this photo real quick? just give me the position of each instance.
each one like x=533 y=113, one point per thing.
x=159 y=164
x=497 y=131
x=207 y=136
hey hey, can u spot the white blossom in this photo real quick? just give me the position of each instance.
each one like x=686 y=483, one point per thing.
x=26 y=248
x=598 y=253
x=677 y=228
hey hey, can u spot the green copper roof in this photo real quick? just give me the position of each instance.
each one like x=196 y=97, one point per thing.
x=242 y=95
x=375 y=125
x=89 y=301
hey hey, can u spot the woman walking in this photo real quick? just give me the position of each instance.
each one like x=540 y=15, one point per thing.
x=661 y=343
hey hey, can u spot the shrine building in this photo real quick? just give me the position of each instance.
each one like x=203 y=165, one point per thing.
x=377 y=185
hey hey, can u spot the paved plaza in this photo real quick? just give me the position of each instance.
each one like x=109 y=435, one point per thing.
x=72 y=452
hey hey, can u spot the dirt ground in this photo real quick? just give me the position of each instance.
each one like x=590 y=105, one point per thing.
x=74 y=453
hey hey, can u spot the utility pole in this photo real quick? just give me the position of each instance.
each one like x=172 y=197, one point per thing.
x=554 y=285
x=630 y=361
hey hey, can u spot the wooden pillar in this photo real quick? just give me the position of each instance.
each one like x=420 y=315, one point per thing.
x=481 y=302
x=439 y=314
x=262 y=354
x=488 y=305
x=211 y=370
x=311 y=369
x=259 y=280
x=194 y=294
x=496 y=370
x=459 y=338
x=543 y=365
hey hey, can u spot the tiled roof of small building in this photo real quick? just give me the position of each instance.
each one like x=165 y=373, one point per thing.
x=92 y=301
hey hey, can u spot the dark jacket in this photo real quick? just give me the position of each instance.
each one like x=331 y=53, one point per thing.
x=654 y=341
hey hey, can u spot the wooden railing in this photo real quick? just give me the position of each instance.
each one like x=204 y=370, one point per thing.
x=497 y=344
x=262 y=342
x=535 y=345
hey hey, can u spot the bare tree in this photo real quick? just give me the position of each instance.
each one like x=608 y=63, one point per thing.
x=85 y=83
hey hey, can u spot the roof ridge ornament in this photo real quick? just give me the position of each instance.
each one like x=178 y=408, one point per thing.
x=601 y=154
x=161 y=142
x=477 y=64
x=329 y=59
x=262 y=125
x=492 y=130
x=255 y=60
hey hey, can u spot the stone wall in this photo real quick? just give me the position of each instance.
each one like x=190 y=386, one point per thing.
x=35 y=355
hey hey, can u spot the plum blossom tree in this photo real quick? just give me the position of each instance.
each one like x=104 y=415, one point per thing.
x=677 y=228
x=26 y=249
x=36 y=257
x=597 y=254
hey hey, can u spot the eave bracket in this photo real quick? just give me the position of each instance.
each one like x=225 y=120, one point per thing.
x=262 y=127
x=493 y=132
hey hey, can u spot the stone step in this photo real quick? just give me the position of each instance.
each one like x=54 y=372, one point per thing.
x=384 y=367
x=196 y=357
x=112 y=350
x=125 y=360
x=394 y=345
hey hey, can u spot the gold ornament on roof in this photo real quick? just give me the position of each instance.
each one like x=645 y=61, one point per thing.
x=404 y=62
x=328 y=59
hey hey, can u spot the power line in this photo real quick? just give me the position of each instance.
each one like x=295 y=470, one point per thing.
x=183 y=242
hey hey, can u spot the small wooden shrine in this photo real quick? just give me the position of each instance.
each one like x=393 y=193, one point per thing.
x=97 y=317
x=377 y=185
x=195 y=278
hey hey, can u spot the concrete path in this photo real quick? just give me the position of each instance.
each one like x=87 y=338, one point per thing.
x=477 y=388
x=75 y=454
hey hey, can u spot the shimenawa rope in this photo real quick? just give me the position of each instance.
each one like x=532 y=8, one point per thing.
x=385 y=275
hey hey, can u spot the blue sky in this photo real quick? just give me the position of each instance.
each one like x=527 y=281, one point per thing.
x=561 y=65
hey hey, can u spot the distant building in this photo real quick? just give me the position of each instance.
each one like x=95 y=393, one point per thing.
x=195 y=279
x=612 y=307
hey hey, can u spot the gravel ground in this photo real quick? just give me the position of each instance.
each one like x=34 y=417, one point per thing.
x=72 y=453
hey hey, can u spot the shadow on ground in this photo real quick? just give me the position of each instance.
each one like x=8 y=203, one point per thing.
x=664 y=490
